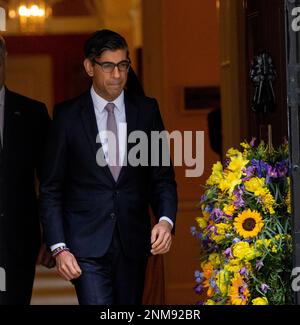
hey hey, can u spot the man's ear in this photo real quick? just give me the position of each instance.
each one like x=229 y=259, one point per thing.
x=89 y=68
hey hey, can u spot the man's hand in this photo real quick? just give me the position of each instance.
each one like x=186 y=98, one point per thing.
x=45 y=258
x=67 y=266
x=161 y=238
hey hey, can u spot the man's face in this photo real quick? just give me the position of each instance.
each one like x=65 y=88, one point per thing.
x=108 y=85
x=2 y=71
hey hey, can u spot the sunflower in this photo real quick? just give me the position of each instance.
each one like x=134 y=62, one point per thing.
x=248 y=223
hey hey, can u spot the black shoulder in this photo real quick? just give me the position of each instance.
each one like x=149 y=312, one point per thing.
x=28 y=106
x=23 y=100
x=143 y=101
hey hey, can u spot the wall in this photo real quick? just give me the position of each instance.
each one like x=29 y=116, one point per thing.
x=180 y=47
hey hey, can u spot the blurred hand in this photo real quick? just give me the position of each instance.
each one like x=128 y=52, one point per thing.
x=161 y=238
x=67 y=266
x=45 y=258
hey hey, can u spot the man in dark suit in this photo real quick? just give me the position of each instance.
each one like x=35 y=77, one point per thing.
x=23 y=130
x=96 y=217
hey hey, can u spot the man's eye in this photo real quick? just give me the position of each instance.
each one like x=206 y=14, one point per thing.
x=107 y=65
x=123 y=65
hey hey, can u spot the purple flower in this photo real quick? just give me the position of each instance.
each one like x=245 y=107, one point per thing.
x=200 y=235
x=198 y=276
x=272 y=172
x=211 y=229
x=252 y=142
x=249 y=171
x=242 y=290
x=243 y=271
x=226 y=162
x=264 y=287
x=239 y=202
x=209 y=208
x=235 y=240
x=260 y=166
x=193 y=231
x=228 y=252
x=203 y=198
x=282 y=168
x=259 y=264
x=216 y=215
x=198 y=288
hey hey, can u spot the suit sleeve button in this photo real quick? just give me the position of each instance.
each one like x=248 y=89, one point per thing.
x=112 y=215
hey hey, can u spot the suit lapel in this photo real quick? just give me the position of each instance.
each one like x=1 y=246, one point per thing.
x=90 y=126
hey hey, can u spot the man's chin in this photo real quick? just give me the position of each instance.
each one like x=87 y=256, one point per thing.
x=115 y=93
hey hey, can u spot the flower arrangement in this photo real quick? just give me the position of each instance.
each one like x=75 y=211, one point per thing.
x=245 y=229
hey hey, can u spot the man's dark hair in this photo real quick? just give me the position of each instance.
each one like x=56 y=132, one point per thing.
x=104 y=40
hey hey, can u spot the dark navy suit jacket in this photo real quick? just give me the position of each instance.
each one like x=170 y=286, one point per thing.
x=81 y=202
x=24 y=136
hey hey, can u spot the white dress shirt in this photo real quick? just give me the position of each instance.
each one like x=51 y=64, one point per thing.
x=101 y=118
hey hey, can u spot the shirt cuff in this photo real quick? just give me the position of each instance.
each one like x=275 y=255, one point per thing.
x=167 y=219
x=53 y=247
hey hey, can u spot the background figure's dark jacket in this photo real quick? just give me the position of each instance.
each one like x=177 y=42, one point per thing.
x=81 y=203
x=25 y=130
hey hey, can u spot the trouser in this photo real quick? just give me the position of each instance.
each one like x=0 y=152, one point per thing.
x=112 y=279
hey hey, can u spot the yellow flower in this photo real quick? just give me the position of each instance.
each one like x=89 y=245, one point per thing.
x=210 y=302
x=248 y=223
x=239 y=292
x=245 y=145
x=202 y=223
x=221 y=230
x=214 y=259
x=233 y=266
x=206 y=215
x=260 y=301
x=262 y=243
x=243 y=251
x=207 y=269
x=255 y=185
x=222 y=281
x=229 y=209
x=268 y=201
x=229 y=182
x=217 y=174
x=237 y=164
x=233 y=152
x=274 y=249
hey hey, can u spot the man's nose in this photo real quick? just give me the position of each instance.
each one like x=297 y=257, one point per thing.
x=116 y=72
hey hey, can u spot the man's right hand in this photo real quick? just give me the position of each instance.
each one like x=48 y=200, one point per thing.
x=67 y=266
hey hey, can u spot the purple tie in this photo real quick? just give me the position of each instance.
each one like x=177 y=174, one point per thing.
x=113 y=153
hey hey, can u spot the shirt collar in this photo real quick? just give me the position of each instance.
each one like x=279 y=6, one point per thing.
x=100 y=103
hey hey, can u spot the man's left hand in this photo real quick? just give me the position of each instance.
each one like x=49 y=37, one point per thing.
x=161 y=238
x=45 y=258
